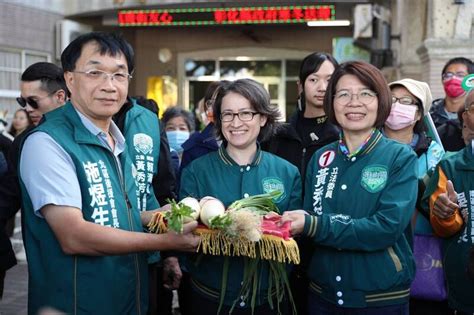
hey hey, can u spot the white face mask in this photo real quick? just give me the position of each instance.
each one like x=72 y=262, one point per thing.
x=401 y=116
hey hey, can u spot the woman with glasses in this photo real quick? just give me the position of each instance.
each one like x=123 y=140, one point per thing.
x=239 y=169
x=411 y=101
x=360 y=193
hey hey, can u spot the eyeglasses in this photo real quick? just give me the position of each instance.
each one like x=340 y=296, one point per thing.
x=470 y=108
x=31 y=101
x=97 y=75
x=245 y=115
x=449 y=75
x=366 y=97
x=405 y=100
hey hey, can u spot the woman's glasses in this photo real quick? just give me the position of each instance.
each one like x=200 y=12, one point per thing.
x=366 y=97
x=404 y=100
x=245 y=115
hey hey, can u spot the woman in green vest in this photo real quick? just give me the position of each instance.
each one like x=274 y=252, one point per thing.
x=360 y=193
x=239 y=169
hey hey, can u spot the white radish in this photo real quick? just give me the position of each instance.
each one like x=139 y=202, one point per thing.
x=210 y=208
x=194 y=205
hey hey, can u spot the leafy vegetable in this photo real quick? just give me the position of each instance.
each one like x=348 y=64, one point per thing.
x=175 y=216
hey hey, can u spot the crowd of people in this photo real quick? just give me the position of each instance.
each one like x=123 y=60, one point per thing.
x=366 y=172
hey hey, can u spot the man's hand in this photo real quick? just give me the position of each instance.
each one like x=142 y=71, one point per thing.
x=447 y=203
x=296 y=218
x=171 y=273
x=187 y=241
x=146 y=216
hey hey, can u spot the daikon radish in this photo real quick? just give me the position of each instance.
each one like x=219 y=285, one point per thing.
x=195 y=207
x=210 y=208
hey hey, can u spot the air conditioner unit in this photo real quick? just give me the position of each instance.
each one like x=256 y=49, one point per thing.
x=66 y=32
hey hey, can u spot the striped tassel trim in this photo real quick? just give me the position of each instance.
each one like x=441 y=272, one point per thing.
x=270 y=247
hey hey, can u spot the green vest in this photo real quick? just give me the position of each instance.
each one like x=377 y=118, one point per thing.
x=142 y=134
x=459 y=168
x=78 y=284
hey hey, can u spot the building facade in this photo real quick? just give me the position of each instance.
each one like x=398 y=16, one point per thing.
x=181 y=46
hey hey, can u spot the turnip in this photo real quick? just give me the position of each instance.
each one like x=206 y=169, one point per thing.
x=195 y=207
x=210 y=208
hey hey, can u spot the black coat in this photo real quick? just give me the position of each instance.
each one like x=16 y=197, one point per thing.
x=289 y=140
x=10 y=200
x=450 y=134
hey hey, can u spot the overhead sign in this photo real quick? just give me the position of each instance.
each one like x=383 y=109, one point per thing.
x=226 y=16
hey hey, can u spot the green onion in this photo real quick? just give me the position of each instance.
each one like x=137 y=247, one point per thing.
x=261 y=204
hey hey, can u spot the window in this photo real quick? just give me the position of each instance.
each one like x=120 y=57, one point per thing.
x=12 y=65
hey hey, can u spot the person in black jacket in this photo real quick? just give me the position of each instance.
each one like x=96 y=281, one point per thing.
x=308 y=129
x=42 y=90
x=296 y=141
x=444 y=111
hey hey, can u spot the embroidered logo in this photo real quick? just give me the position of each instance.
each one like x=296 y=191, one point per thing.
x=341 y=218
x=374 y=178
x=326 y=158
x=271 y=184
x=143 y=143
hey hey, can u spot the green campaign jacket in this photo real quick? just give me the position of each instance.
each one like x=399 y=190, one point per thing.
x=361 y=208
x=217 y=175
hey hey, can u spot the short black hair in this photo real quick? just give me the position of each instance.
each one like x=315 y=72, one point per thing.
x=313 y=62
x=50 y=75
x=459 y=60
x=310 y=65
x=257 y=96
x=176 y=111
x=112 y=44
x=370 y=76
x=148 y=103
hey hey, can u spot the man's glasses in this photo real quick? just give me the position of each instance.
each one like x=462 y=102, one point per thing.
x=245 y=115
x=449 y=75
x=405 y=100
x=98 y=75
x=30 y=100
x=366 y=97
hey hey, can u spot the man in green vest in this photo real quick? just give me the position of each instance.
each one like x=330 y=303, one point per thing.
x=83 y=227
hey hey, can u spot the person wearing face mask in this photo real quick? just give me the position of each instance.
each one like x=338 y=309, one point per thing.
x=411 y=100
x=444 y=110
x=179 y=124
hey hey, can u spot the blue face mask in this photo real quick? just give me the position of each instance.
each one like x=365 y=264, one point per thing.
x=176 y=138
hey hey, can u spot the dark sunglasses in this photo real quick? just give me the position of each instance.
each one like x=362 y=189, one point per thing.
x=32 y=102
